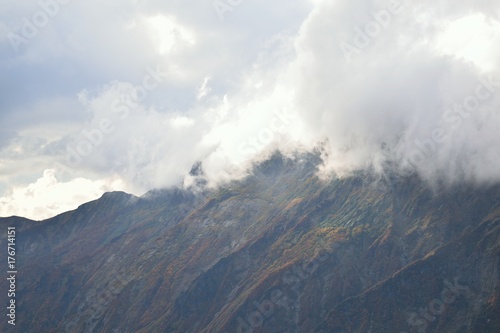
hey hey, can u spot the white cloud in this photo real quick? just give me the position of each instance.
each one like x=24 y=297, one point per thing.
x=474 y=38
x=264 y=78
x=167 y=34
x=48 y=197
x=181 y=122
x=386 y=103
x=204 y=89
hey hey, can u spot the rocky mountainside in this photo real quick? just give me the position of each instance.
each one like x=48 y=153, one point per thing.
x=280 y=251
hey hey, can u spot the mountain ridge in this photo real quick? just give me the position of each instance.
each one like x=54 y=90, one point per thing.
x=324 y=256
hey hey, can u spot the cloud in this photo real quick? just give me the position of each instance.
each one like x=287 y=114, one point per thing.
x=471 y=38
x=383 y=103
x=150 y=88
x=48 y=197
x=167 y=34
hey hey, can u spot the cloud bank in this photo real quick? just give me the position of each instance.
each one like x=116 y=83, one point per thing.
x=412 y=85
x=48 y=196
x=136 y=98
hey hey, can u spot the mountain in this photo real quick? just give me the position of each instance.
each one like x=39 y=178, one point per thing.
x=279 y=251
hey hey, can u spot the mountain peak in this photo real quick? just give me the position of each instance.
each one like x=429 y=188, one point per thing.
x=349 y=255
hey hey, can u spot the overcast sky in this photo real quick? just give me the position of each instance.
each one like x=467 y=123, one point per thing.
x=126 y=95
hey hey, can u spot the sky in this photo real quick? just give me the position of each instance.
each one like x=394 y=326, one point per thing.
x=124 y=95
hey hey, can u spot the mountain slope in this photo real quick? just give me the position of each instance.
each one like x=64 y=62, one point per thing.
x=280 y=251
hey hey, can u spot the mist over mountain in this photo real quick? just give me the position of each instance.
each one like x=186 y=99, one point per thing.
x=315 y=166
x=280 y=250
x=131 y=101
